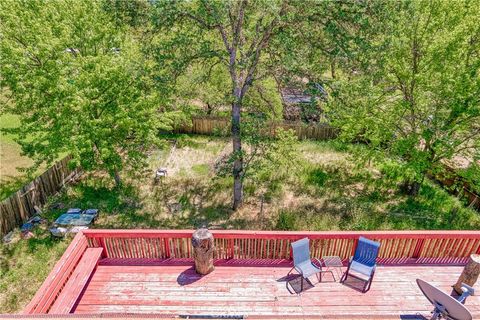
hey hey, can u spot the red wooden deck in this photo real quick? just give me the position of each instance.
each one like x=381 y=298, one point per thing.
x=252 y=290
x=149 y=273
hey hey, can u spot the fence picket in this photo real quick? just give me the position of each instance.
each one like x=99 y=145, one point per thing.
x=20 y=206
x=211 y=125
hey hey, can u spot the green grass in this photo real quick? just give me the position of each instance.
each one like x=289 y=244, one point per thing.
x=201 y=169
x=326 y=190
x=12 y=177
x=24 y=265
x=8 y=121
x=13 y=164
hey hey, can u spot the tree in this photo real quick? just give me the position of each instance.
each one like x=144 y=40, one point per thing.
x=79 y=84
x=203 y=84
x=419 y=95
x=234 y=33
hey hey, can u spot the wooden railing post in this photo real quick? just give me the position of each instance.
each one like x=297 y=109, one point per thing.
x=231 y=254
x=167 y=247
x=418 y=248
x=355 y=243
x=102 y=243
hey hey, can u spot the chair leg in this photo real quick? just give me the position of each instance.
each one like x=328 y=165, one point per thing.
x=365 y=286
x=333 y=275
x=370 y=280
x=345 y=275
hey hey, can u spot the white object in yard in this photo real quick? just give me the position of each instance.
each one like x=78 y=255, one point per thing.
x=78 y=229
x=161 y=172
x=59 y=232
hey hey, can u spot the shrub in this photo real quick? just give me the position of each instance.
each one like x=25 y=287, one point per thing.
x=286 y=221
x=317 y=177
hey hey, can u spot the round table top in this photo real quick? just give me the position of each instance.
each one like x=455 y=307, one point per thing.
x=332 y=261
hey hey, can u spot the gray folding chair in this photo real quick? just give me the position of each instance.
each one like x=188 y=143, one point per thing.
x=302 y=262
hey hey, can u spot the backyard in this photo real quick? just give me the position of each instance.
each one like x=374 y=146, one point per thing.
x=12 y=162
x=270 y=115
x=325 y=190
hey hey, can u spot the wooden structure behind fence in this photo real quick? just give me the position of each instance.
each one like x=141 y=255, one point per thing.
x=221 y=126
x=27 y=201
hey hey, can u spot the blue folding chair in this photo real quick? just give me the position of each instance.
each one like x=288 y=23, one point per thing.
x=302 y=262
x=363 y=262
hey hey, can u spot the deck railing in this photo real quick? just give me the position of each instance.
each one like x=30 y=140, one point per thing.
x=397 y=248
x=58 y=277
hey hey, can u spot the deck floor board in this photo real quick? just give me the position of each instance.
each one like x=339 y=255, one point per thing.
x=236 y=289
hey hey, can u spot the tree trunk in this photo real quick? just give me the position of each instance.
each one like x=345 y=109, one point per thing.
x=116 y=176
x=238 y=156
x=470 y=273
x=332 y=69
x=202 y=243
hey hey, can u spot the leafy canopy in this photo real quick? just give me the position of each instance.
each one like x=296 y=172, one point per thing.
x=79 y=83
x=418 y=97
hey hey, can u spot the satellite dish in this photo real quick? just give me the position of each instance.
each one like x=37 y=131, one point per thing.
x=444 y=304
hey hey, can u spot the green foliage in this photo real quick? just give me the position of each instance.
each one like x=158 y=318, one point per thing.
x=417 y=97
x=279 y=158
x=264 y=98
x=79 y=83
x=472 y=176
x=271 y=162
x=183 y=141
x=286 y=220
x=204 y=84
x=201 y=169
x=317 y=177
x=8 y=121
x=134 y=13
x=24 y=266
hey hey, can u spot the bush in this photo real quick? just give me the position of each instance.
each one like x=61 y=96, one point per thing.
x=286 y=221
x=317 y=177
x=472 y=176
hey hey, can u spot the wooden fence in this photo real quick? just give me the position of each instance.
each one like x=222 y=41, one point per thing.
x=457 y=185
x=27 y=201
x=221 y=126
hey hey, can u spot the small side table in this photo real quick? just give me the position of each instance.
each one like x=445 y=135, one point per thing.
x=333 y=262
